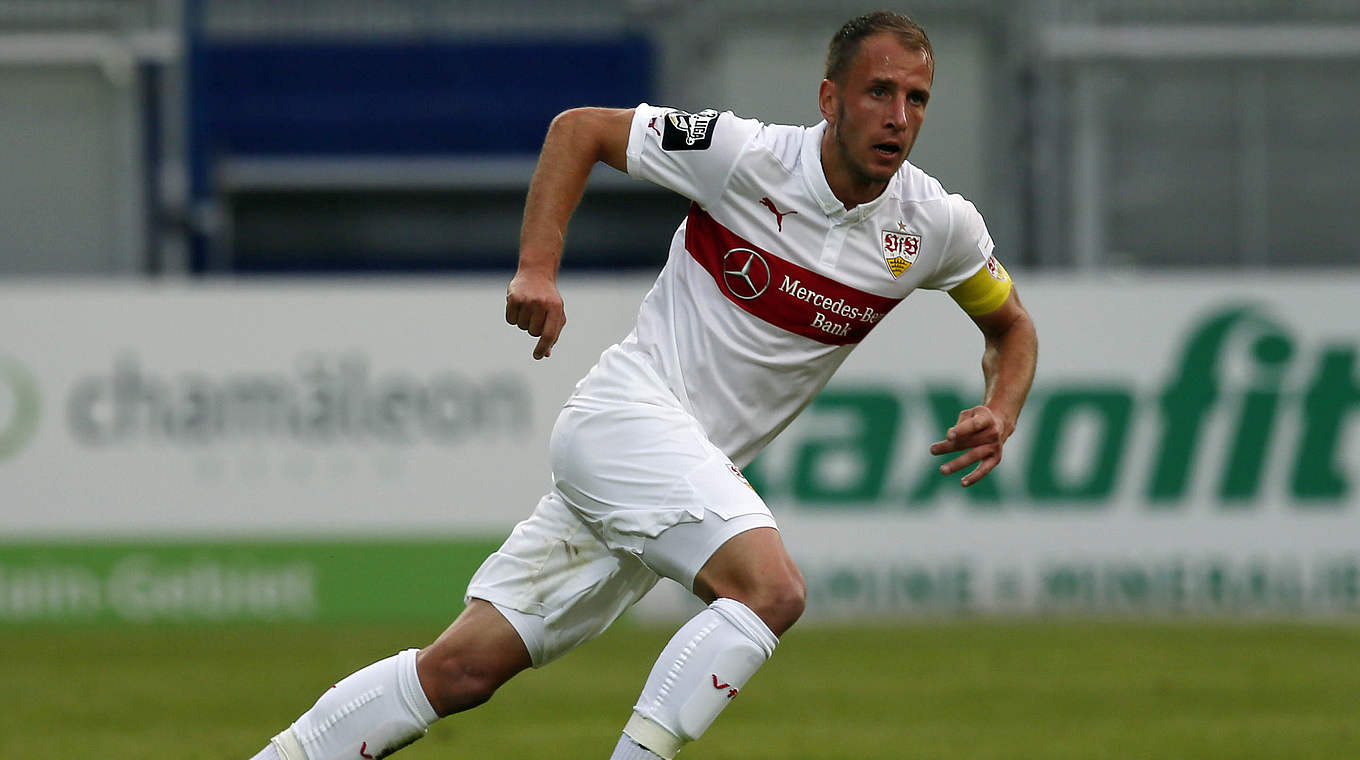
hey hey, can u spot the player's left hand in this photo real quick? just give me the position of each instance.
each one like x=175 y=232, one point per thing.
x=979 y=433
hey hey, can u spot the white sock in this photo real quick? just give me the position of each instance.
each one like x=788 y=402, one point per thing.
x=705 y=665
x=268 y=753
x=371 y=713
x=627 y=749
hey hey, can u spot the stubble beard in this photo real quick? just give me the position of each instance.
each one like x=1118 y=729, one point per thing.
x=859 y=173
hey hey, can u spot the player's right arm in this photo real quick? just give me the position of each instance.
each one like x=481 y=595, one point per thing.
x=576 y=141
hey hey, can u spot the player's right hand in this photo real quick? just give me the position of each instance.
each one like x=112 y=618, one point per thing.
x=533 y=304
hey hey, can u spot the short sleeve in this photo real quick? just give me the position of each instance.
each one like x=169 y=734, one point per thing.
x=968 y=269
x=690 y=153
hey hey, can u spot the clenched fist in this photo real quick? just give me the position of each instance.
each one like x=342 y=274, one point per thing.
x=533 y=304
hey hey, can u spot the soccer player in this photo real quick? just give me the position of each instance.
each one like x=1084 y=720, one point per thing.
x=798 y=242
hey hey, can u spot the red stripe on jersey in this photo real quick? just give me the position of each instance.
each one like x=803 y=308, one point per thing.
x=779 y=291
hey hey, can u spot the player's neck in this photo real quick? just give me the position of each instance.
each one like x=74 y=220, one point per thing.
x=850 y=187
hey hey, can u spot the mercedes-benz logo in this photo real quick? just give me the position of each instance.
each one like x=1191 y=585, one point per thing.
x=746 y=273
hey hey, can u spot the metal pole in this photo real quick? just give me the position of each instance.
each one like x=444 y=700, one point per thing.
x=1088 y=174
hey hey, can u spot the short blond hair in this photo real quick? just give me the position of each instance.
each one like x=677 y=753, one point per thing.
x=846 y=42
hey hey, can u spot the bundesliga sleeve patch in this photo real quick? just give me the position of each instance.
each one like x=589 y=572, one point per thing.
x=689 y=131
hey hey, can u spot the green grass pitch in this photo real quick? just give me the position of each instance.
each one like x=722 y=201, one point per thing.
x=980 y=690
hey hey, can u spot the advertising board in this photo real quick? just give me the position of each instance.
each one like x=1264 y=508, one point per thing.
x=1191 y=444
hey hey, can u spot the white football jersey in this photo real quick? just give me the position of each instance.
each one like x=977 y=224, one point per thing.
x=771 y=281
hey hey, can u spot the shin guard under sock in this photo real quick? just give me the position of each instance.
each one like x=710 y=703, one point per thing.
x=703 y=668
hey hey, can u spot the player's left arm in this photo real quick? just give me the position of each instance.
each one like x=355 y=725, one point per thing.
x=1008 y=362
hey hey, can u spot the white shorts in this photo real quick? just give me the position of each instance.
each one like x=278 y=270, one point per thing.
x=639 y=494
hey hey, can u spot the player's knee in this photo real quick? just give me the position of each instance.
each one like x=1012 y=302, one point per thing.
x=791 y=602
x=779 y=603
x=454 y=682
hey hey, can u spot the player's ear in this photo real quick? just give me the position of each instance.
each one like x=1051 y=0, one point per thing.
x=826 y=100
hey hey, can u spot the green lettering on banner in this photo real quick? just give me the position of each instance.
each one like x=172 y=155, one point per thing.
x=1341 y=584
x=870 y=587
x=1256 y=422
x=842 y=455
x=324 y=581
x=1113 y=409
x=1332 y=397
x=1207 y=583
x=22 y=402
x=1067 y=586
x=945 y=405
x=1190 y=397
x=851 y=468
x=1131 y=586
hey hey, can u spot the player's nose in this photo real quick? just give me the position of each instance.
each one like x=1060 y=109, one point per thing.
x=897 y=112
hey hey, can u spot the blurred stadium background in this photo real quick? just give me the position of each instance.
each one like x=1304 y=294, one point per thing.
x=260 y=416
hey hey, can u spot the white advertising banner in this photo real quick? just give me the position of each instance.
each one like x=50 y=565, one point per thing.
x=1191 y=443
x=264 y=408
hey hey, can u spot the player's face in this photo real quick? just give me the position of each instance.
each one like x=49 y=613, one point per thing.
x=873 y=116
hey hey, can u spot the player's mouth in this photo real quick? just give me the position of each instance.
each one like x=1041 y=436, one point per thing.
x=889 y=150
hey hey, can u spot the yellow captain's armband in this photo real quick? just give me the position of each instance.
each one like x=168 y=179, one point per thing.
x=985 y=291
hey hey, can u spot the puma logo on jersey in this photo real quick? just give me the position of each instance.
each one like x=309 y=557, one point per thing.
x=778 y=215
x=652 y=126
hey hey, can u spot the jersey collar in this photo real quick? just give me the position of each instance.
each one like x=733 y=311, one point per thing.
x=815 y=179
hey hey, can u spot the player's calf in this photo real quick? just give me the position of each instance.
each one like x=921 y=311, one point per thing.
x=471 y=659
x=699 y=673
x=391 y=703
x=369 y=714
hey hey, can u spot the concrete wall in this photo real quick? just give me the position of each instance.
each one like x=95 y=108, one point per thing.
x=70 y=187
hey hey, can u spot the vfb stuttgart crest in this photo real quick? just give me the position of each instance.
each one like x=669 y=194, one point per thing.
x=899 y=251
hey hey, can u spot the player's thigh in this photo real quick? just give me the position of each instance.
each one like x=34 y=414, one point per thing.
x=557 y=583
x=755 y=568
x=684 y=551
x=636 y=473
